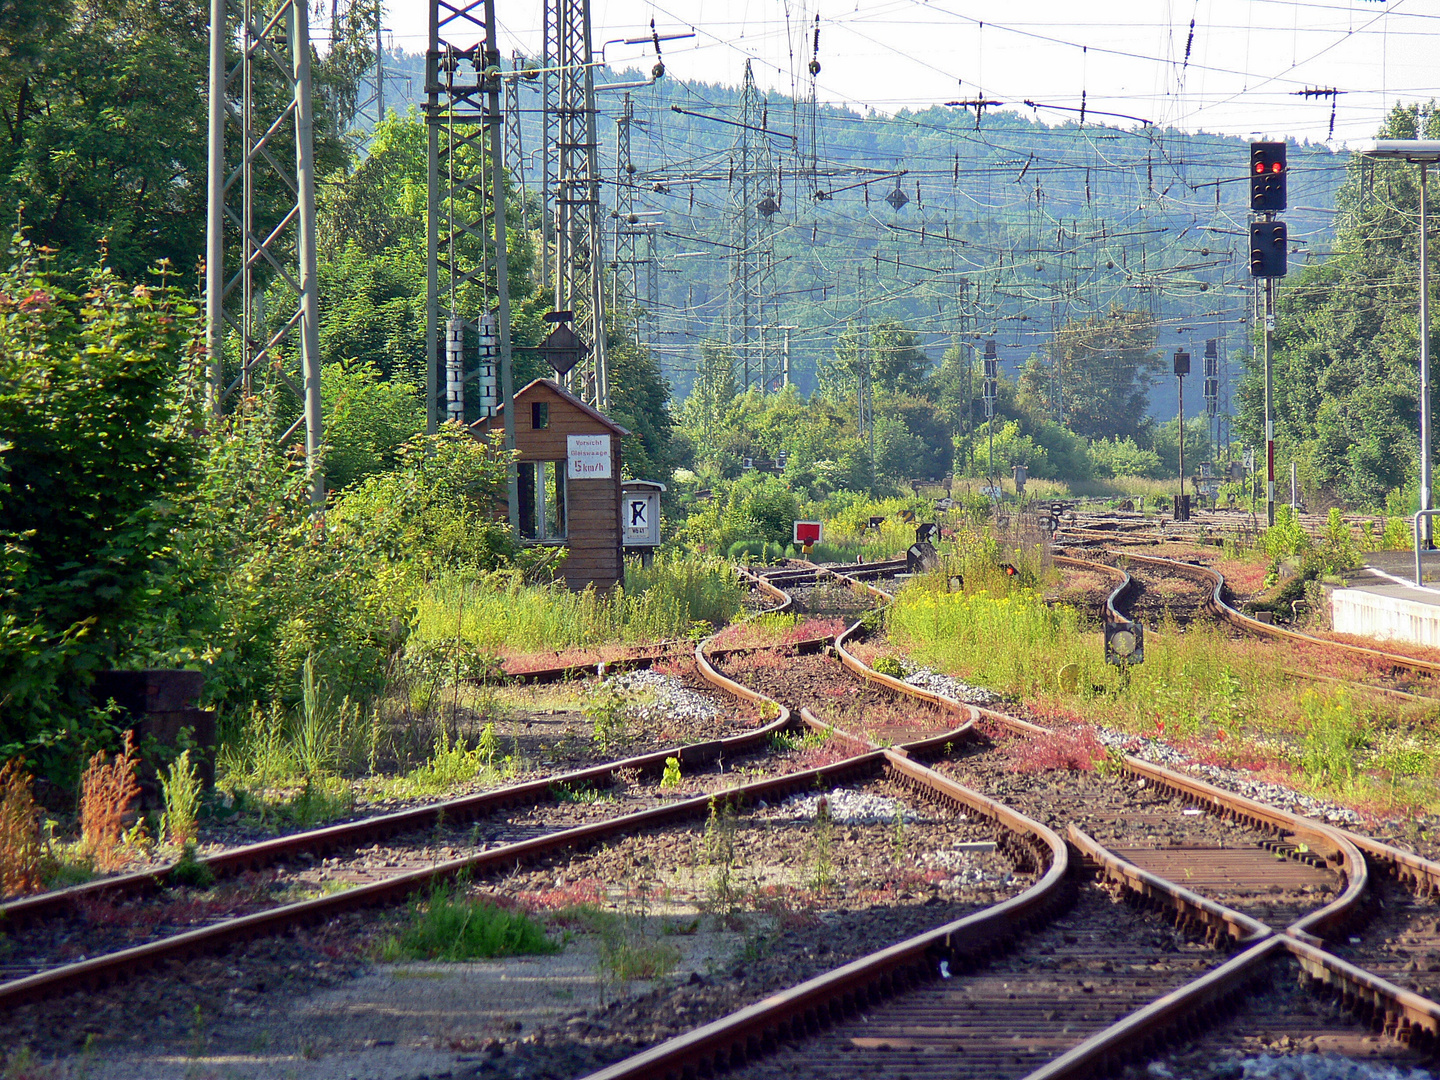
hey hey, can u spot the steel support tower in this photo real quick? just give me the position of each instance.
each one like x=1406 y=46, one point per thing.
x=258 y=245
x=754 y=200
x=634 y=280
x=578 y=249
x=467 y=294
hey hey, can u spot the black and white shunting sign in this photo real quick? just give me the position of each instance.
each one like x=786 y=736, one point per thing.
x=640 y=518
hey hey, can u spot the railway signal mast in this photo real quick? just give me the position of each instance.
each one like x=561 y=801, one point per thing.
x=1268 y=245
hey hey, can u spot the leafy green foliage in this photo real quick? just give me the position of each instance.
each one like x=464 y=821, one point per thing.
x=1095 y=373
x=104 y=112
x=94 y=462
x=367 y=420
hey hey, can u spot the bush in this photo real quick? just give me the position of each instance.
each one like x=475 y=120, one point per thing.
x=93 y=460
x=1124 y=457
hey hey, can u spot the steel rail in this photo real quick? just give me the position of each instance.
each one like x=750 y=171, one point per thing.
x=103 y=969
x=1240 y=620
x=1112 y=613
x=322 y=841
x=1142 y=1030
x=1220 y=922
x=743 y=1034
x=1405 y=1015
x=353 y=834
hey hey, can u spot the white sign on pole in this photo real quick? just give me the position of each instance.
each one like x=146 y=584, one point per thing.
x=640 y=518
x=587 y=457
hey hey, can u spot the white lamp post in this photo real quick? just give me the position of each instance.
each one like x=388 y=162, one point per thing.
x=1422 y=152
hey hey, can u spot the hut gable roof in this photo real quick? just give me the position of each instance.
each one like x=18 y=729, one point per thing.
x=536 y=389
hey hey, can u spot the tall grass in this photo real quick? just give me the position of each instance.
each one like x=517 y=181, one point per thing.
x=1228 y=697
x=500 y=613
x=453 y=926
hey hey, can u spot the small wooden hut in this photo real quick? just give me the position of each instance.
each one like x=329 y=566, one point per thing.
x=569 y=465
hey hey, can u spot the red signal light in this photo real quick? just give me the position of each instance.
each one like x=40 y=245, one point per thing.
x=1277 y=166
x=1259 y=166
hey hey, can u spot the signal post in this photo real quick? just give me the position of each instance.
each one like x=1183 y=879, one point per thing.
x=1268 y=247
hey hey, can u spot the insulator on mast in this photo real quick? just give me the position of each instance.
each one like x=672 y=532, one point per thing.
x=455 y=370
x=488 y=358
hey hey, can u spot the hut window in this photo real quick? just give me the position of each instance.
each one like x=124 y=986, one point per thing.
x=539 y=415
x=542 y=500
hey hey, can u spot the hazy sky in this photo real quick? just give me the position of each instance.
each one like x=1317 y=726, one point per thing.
x=1246 y=59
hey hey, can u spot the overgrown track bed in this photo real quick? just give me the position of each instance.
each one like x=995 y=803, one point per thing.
x=1159 y=593
x=839 y=698
x=103 y=924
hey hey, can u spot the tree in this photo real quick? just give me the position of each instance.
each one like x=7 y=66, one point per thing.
x=640 y=403
x=103 y=114
x=1095 y=374
x=367 y=420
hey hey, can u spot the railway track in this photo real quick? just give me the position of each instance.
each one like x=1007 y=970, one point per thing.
x=350 y=856
x=1010 y=1020
x=1084 y=985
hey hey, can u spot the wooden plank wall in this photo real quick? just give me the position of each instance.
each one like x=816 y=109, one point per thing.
x=592 y=506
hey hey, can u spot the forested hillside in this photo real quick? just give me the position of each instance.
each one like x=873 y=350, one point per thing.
x=1012 y=225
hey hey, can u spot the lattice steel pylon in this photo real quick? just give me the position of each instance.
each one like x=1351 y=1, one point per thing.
x=754 y=200
x=631 y=235
x=256 y=198
x=578 y=263
x=466 y=228
x=514 y=139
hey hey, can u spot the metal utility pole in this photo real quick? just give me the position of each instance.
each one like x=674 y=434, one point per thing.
x=1425 y=480
x=1182 y=368
x=273 y=243
x=579 y=258
x=466 y=225
x=1269 y=401
x=754 y=201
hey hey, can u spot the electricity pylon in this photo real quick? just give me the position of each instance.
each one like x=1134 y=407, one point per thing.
x=260 y=227
x=754 y=200
x=465 y=229
x=568 y=124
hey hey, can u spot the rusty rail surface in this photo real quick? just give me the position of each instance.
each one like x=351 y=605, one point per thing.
x=746 y=1033
x=104 y=969
x=1403 y=1014
x=330 y=838
x=352 y=834
x=108 y=967
x=1220 y=922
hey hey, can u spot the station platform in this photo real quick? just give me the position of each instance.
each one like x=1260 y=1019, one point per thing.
x=1380 y=599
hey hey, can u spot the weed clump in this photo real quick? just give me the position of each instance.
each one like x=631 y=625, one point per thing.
x=20 y=847
x=1076 y=749
x=190 y=871
x=106 y=791
x=180 y=788
x=452 y=927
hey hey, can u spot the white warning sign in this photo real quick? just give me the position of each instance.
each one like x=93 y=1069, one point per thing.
x=588 y=457
x=640 y=518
